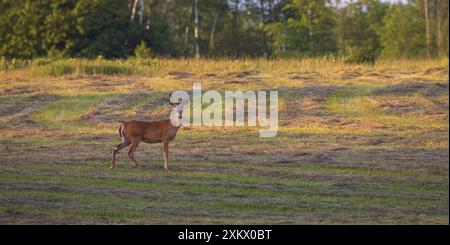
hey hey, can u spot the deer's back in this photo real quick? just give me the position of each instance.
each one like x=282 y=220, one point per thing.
x=149 y=131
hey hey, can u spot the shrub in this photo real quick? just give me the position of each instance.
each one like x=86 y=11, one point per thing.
x=142 y=52
x=359 y=55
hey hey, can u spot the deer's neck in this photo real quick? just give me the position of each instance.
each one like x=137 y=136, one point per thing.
x=175 y=120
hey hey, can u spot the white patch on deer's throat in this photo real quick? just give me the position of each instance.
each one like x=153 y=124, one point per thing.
x=175 y=118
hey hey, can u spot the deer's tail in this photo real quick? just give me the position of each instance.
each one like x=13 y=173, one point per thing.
x=121 y=130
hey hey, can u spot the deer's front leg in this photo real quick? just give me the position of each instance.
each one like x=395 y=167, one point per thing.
x=166 y=154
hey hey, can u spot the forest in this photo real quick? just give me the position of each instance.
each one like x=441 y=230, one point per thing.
x=355 y=31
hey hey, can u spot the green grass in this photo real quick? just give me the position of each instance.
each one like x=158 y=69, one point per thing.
x=359 y=103
x=399 y=179
x=66 y=113
x=59 y=67
x=82 y=66
x=180 y=190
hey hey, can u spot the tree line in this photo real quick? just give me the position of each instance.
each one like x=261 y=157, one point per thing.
x=357 y=30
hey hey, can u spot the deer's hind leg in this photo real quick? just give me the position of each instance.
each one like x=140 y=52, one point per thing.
x=134 y=144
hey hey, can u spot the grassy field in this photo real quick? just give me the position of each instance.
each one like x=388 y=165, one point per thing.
x=357 y=144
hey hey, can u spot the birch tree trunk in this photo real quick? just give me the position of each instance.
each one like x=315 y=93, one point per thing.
x=439 y=27
x=186 y=32
x=213 y=30
x=197 y=45
x=427 y=27
x=263 y=24
x=141 y=12
x=186 y=37
x=133 y=10
x=234 y=24
x=310 y=27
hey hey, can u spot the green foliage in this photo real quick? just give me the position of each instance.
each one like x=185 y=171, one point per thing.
x=22 y=28
x=313 y=23
x=357 y=31
x=103 y=28
x=59 y=29
x=403 y=32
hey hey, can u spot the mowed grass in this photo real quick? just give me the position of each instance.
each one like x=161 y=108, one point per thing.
x=66 y=113
x=357 y=144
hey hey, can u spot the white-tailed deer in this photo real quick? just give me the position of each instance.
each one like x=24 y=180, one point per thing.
x=163 y=131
